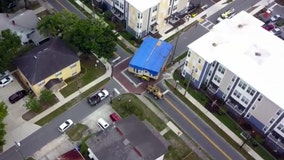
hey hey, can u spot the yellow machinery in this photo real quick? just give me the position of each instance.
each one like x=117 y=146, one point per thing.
x=145 y=78
x=155 y=91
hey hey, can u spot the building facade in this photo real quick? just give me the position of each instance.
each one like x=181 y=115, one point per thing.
x=148 y=16
x=237 y=62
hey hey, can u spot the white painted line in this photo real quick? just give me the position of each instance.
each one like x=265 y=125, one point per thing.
x=116 y=91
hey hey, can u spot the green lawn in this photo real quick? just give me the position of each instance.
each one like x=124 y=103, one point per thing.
x=88 y=74
x=128 y=104
x=75 y=133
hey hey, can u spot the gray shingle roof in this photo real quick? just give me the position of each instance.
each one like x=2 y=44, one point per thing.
x=129 y=139
x=45 y=60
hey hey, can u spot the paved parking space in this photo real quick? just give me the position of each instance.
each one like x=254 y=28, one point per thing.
x=14 y=122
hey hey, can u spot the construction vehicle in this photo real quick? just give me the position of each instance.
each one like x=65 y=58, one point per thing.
x=155 y=91
x=145 y=78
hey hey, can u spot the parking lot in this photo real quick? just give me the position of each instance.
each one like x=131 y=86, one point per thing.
x=14 y=122
x=274 y=20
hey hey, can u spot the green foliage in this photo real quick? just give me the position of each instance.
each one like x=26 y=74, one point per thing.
x=3 y=114
x=58 y=24
x=46 y=96
x=9 y=44
x=89 y=36
x=33 y=104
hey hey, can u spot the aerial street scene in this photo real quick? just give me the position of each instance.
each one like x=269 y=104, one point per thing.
x=141 y=79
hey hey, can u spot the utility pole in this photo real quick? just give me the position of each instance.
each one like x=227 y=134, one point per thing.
x=18 y=146
x=174 y=51
x=189 y=80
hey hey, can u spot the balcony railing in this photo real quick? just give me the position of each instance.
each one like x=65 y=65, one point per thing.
x=235 y=107
x=118 y=14
x=212 y=89
x=275 y=140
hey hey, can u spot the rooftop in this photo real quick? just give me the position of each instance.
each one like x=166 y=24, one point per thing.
x=129 y=139
x=45 y=60
x=143 y=5
x=151 y=55
x=249 y=51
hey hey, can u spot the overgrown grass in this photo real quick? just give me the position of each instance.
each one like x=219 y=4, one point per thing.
x=88 y=74
x=128 y=104
x=75 y=133
x=70 y=104
x=178 y=150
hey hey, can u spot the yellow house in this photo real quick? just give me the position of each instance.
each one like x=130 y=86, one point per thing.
x=48 y=66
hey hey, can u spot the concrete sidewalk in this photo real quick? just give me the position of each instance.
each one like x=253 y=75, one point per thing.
x=209 y=114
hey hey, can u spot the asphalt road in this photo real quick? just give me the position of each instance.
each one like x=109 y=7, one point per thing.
x=196 y=128
x=49 y=132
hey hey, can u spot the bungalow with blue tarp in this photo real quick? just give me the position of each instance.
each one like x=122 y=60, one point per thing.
x=150 y=59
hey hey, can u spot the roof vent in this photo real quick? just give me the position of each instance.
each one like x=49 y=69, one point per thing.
x=126 y=142
x=257 y=54
x=214 y=44
x=35 y=57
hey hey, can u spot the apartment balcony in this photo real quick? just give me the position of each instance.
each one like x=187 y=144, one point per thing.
x=212 y=89
x=237 y=108
x=117 y=14
x=276 y=140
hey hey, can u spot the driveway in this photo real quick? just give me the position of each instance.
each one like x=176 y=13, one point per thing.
x=14 y=122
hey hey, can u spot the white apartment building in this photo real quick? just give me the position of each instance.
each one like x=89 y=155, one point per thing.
x=240 y=62
x=148 y=16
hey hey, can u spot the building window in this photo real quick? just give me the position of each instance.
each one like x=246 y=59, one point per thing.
x=259 y=98
x=234 y=78
x=280 y=126
x=221 y=69
x=224 y=96
x=242 y=85
x=250 y=91
x=265 y=128
x=237 y=94
x=140 y=15
x=116 y=2
x=174 y=8
x=58 y=73
x=153 y=19
x=245 y=100
x=272 y=120
x=210 y=72
x=155 y=8
x=73 y=65
x=217 y=78
x=139 y=25
x=248 y=115
x=213 y=64
x=186 y=63
x=229 y=87
x=41 y=83
x=199 y=60
x=188 y=54
x=253 y=107
x=121 y=5
x=279 y=112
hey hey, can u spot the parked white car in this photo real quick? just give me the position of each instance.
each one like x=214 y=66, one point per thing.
x=65 y=125
x=103 y=124
x=5 y=81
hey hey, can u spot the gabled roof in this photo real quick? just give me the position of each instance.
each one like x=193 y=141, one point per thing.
x=45 y=60
x=129 y=139
x=249 y=51
x=22 y=24
x=151 y=55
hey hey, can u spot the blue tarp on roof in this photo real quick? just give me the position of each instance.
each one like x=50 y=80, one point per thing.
x=151 y=55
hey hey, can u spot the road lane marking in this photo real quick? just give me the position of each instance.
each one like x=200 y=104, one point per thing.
x=199 y=130
x=62 y=5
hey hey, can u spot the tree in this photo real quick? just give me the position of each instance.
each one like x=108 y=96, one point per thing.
x=26 y=4
x=58 y=24
x=89 y=36
x=3 y=114
x=33 y=104
x=46 y=96
x=9 y=44
x=94 y=37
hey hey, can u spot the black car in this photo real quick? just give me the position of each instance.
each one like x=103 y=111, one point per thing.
x=94 y=99
x=17 y=96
